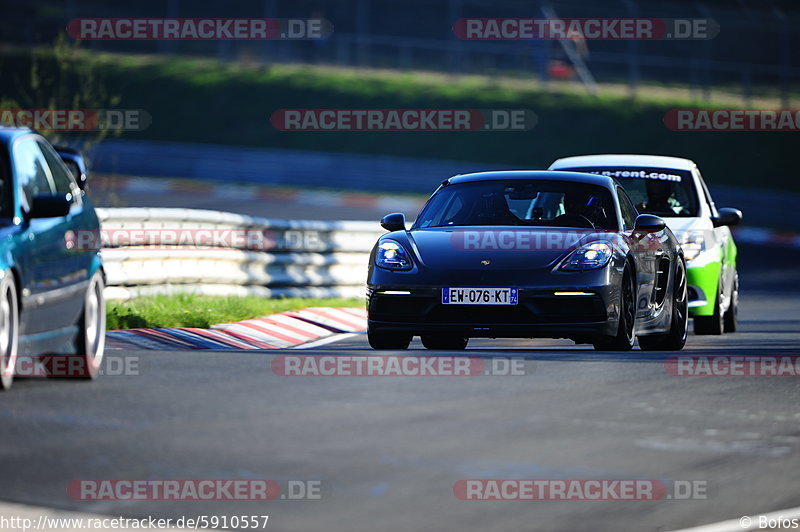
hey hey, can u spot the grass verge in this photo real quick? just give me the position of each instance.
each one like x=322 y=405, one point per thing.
x=188 y=310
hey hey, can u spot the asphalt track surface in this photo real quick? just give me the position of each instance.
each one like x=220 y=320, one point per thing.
x=388 y=450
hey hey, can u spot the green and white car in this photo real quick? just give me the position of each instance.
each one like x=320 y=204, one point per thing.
x=673 y=189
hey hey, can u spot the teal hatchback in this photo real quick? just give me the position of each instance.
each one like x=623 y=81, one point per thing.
x=52 y=311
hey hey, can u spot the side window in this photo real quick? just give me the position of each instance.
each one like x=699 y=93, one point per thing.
x=31 y=167
x=628 y=211
x=452 y=210
x=707 y=194
x=62 y=177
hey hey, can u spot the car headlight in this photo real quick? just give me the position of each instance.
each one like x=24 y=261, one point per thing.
x=392 y=256
x=693 y=243
x=589 y=257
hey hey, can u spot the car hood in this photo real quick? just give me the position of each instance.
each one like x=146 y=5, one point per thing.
x=683 y=225
x=506 y=248
x=687 y=224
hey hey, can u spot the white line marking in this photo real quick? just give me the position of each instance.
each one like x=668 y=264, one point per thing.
x=327 y=340
x=748 y=522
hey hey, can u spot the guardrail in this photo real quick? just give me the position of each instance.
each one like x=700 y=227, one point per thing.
x=150 y=251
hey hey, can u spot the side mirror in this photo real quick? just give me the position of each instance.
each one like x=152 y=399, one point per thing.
x=647 y=223
x=75 y=163
x=394 y=222
x=727 y=216
x=50 y=206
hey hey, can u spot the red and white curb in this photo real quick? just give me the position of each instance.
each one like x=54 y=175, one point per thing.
x=286 y=330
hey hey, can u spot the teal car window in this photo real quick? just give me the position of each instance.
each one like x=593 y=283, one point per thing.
x=62 y=177
x=31 y=170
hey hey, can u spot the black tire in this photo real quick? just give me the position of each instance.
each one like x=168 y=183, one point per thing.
x=388 y=340
x=675 y=339
x=731 y=318
x=624 y=339
x=712 y=325
x=91 y=339
x=9 y=329
x=444 y=342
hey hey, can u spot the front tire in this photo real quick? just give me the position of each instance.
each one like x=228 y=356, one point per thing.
x=731 y=318
x=9 y=330
x=675 y=339
x=387 y=340
x=444 y=342
x=711 y=325
x=624 y=339
x=91 y=340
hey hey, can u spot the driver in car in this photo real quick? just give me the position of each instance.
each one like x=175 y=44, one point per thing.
x=660 y=199
x=583 y=205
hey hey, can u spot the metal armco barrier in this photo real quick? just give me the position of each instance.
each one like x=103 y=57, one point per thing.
x=149 y=251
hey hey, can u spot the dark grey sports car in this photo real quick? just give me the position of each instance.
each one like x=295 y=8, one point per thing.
x=528 y=254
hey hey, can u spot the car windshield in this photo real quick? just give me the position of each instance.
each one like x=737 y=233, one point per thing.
x=520 y=202
x=661 y=191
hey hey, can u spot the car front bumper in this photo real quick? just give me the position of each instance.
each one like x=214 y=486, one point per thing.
x=540 y=313
x=703 y=282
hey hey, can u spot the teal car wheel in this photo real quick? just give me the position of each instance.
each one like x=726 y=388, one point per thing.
x=9 y=330
x=92 y=335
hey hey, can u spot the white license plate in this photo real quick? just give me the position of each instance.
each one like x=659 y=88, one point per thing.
x=480 y=296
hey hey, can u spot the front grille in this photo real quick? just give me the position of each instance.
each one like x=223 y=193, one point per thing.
x=568 y=309
x=533 y=310
x=489 y=314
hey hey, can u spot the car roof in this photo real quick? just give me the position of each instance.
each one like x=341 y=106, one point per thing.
x=7 y=134
x=651 y=161
x=574 y=177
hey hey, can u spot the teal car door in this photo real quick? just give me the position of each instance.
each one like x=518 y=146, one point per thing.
x=51 y=289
